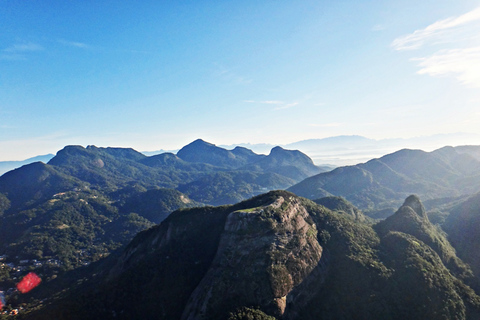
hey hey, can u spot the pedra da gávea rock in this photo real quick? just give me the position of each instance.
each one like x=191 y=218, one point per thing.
x=263 y=254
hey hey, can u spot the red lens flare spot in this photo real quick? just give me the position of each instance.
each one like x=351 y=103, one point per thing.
x=28 y=282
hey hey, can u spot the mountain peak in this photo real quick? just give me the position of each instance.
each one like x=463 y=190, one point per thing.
x=277 y=149
x=205 y=152
x=414 y=202
x=201 y=142
x=198 y=144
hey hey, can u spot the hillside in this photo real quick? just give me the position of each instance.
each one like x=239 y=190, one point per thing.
x=463 y=228
x=87 y=202
x=281 y=256
x=290 y=163
x=34 y=183
x=342 y=206
x=198 y=164
x=384 y=182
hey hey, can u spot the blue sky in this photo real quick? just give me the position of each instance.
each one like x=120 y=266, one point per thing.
x=159 y=74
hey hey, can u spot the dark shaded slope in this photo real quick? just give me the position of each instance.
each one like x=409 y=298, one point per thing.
x=386 y=275
x=64 y=223
x=463 y=229
x=285 y=255
x=156 y=204
x=412 y=219
x=156 y=275
x=34 y=183
x=233 y=186
x=424 y=287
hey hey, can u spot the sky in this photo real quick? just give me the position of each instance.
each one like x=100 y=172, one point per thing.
x=159 y=74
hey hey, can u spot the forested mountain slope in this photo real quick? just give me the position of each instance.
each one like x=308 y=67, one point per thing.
x=286 y=257
x=385 y=182
x=89 y=201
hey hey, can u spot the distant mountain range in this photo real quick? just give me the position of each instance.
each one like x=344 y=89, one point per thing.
x=331 y=151
x=382 y=183
x=349 y=150
x=102 y=197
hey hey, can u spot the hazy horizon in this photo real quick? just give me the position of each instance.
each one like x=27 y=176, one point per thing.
x=336 y=150
x=156 y=75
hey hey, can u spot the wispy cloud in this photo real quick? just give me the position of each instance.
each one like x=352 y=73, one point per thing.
x=454 y=45
x=463 y=64
x=23 y=47
x=435 y=31
x=265 y=102
x=287 y=106
x=378 y=27
x=279 y=104
x=19 y=51
x=74 y=44
x=230 y=75
x=12 y=57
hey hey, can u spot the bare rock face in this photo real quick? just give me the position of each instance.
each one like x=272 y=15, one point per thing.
x=263 y=254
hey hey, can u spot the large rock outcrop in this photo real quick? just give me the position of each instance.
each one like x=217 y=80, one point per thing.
x=263 y=254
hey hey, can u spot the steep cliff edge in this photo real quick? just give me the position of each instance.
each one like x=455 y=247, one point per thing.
x=264 y=252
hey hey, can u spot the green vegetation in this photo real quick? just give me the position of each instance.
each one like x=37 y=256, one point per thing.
x=463 y=228
x=381 y=184
x=288 y=257
x=246 y=313
x=87 y=224
x=87 y=202
x=342 y=206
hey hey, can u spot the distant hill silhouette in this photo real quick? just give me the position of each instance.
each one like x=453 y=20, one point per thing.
x=6 y=166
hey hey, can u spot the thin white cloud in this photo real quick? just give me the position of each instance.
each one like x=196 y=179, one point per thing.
x=463 y=64
x=378 y=27
x=75 y=44
x=265 y=102
x=287 y=106
x=280 y=104
x=437 y=30
x=454 y=45
x=23 y=47
x=19 y=51
x=230 y=75
x=12 y=57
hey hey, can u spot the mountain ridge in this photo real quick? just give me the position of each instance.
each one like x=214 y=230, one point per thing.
x=384 y=182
